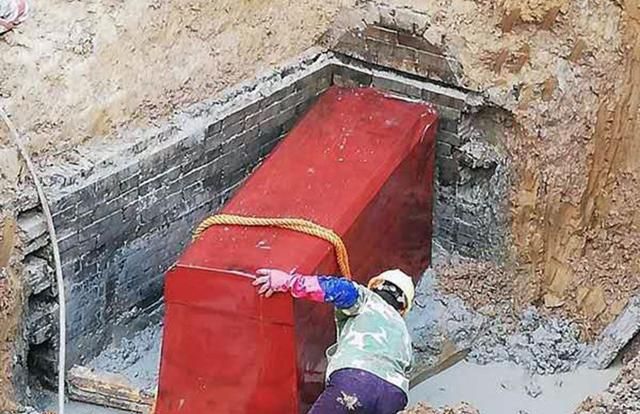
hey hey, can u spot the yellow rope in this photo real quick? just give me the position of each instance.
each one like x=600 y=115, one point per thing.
x=295 y=224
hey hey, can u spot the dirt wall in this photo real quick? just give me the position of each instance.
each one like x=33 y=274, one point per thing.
x=568 y=73
x=575 y=228
x=78 y=70
x=11 y=303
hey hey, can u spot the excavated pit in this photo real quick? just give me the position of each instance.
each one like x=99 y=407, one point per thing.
x=124 y=213
x=122 y=224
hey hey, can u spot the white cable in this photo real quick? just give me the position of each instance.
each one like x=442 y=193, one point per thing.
x=62 y=348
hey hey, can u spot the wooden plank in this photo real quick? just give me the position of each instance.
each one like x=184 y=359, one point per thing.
x=616 y=336
x=107 y=389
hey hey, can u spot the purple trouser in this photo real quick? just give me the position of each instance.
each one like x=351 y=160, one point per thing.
x=356 y=391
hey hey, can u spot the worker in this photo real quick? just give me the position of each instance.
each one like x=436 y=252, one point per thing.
x=368 y=366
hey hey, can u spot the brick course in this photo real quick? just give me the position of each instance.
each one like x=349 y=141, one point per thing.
x=400 y=49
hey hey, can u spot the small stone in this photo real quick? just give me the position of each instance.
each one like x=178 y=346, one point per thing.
x=533 y=389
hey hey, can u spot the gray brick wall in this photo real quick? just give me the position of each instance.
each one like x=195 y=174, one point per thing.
x=131 y=226
x=470 y=211
x=401 y=47
x=470 y=214
x=119 y=233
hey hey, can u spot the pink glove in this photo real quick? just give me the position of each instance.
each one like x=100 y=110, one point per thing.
x=300 y=286
x=273 y=280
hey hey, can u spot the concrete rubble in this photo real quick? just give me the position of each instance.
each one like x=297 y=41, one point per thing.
x=541 y=344
x=616 y=336
x=137 y=358
x=39 y=274
x=42 y=320
x=32 y=230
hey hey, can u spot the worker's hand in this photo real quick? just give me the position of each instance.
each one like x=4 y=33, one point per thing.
x=272 y=280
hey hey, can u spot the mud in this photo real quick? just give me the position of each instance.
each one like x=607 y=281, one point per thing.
x=506 y=388
x=541 y=345
x=48 y=404
x=73 y=407
x=436 y=321
x=622 y=396
x=424 y=408
x=440 y=323
x=137 y=358
x=79 y=408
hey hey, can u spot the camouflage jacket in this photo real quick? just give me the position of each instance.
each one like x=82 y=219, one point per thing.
x=371 y=336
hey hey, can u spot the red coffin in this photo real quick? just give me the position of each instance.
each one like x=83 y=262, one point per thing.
x=359 y=162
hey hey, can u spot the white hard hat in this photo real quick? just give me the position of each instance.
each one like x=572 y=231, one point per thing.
x=398 y=278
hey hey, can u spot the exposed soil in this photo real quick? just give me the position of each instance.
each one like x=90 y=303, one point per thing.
x=78 y=70
x=569 y=73
x=478 y=283
x=10 y=310
x=574 y=221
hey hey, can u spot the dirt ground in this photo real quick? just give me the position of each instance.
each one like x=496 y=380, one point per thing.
x=10 y=302
x=567 y=70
